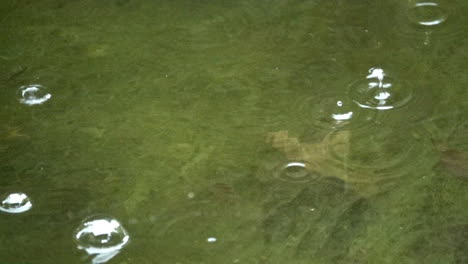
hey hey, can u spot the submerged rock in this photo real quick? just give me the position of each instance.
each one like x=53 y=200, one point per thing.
x=455 y=162
x=325 y=158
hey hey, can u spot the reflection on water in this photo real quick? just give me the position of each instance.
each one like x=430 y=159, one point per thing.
x=234 y=131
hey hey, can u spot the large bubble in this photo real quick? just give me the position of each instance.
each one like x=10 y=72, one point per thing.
x=101 y=236
x=15 y=203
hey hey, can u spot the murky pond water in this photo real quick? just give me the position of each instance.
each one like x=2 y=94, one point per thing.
x=266 y=131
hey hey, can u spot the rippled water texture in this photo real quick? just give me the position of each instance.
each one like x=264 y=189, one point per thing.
x=266 y=131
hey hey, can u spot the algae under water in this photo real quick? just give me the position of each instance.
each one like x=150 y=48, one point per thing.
x=266 y=131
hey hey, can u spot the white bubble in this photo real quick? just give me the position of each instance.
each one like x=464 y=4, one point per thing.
x=15 y=203
x=33 y=94
x=101 y=236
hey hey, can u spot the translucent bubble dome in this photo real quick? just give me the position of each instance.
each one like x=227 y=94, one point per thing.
x=15 y=203
x=103 y=236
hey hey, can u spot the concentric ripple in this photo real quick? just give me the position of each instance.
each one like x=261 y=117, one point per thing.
x=331 y=111
x=15 y=203
x=34 y=94
x=379 y=91
x=382 y=155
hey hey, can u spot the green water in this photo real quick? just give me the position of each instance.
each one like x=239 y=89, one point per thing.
x=171 y=117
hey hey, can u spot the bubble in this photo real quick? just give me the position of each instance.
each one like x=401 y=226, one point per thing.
x=296 y=172
x=431 y=20
x=33 y=94
x=427 y=14
x=15 y=203
x=101 y=236
x=379 y=91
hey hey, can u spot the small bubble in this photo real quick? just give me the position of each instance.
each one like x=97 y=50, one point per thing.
x=15 y=203
x=33 y=94
x=101 y=236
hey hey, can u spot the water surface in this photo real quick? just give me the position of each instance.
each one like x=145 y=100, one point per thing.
x=136 y=131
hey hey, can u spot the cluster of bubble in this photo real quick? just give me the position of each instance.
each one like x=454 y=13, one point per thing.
x=99 y=236
x=377 y=90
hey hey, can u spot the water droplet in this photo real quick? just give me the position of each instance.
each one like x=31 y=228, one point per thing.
x=427 y=14
x=379 y=91
x=101 y=236
x=296 y=172
x=33 y=94
x=15 y=203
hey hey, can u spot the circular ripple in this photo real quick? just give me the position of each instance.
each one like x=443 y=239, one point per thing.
x=101 y=236
x=15 y=203
x=331 y=111
x=34 y=94
x=379 y=91
x=382 y=154
x=296 y=172
x=425 y=20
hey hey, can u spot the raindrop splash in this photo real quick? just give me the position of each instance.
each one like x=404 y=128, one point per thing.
x=102 y=237
x=15 y=203
x=332 y=111
x=33 y=94
x=379 y=91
